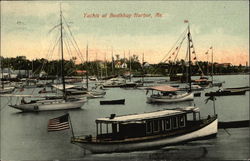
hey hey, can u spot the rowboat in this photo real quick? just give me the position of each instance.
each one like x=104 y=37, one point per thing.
x=226 y=93
x=246 y=88
x=112 y=102
x=148 y=130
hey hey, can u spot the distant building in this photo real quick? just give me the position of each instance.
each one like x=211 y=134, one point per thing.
x=23 y=73
x=223 y=65
x=7 y=73
x=81 y=72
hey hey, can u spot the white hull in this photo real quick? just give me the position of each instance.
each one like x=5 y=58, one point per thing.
x=50 y=105
x=6 y=90
x=209 y=130
x=170 y=99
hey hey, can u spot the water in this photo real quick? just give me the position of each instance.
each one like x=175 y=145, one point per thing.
x=24 y=136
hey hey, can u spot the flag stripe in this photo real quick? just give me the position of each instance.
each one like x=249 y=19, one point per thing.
x=56 y=128
x=59 y=123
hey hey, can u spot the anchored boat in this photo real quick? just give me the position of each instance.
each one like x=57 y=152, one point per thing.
x=112 y=102
x=226 y=93
x=168 y=94
x=148 y=130
x=50 y=104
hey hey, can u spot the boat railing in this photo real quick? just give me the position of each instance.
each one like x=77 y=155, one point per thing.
x=81 y=138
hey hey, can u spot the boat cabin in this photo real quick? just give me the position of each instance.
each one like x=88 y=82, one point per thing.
x=163 y=90
x=146 y=124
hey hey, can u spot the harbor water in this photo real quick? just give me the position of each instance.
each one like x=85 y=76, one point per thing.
x=24 y=136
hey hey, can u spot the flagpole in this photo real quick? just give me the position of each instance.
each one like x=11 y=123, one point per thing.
x=214 y=104
x=71 y=127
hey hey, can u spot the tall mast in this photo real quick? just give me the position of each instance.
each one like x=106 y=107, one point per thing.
x=106 y=67
x=62 y=64
x=189 y=59
x=87 y=73
x=112 y=62
x=130 y=70
x=212 y=72
x=1 y=70
x=142 y=67
x=97 y=66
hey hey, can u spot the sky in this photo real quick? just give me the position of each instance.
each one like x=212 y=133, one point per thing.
x=30 y=28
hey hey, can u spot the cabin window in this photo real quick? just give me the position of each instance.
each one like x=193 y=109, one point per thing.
x=162 y=125
x=115 y=128
x=182 y=121
x=167 y=124
x=149 y=127
x=156 y=126
x=175 y=122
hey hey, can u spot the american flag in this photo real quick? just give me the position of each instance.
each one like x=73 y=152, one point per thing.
x=59 y=123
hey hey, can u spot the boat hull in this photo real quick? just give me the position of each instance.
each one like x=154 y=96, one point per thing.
x=7 y=90
x=50 y=105
x=112 y=102
x=184 y=97
x=99 y=147
x=226 y=93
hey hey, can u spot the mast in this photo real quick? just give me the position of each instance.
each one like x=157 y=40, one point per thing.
x=189 y=59
x=142 y=67
x=87 y=73
x=129 y=66
x=212 y=72
x=62 y=64
x=106 y=67
x=97 y=66
x=112 y=62
x=1 y=71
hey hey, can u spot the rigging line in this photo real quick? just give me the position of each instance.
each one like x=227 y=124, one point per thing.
x=73 y=46
x=72 y=36
x=179 y=48
x=47 y=55
x=81 y=58
x=51 y=52
x=196 y=56
x=183 y=34
x=68 y=49
x=49 y=49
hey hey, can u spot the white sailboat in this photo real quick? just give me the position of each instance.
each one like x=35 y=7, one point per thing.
x=52 y=103
x=168 y=94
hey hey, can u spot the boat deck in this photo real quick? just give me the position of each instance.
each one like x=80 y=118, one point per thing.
x=191 y=126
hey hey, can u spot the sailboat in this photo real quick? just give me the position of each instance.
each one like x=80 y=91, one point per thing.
x=3 y=89
x=52 y=103
x=168 y=94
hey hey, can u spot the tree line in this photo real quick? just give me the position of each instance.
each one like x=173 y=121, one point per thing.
x=118 y=66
